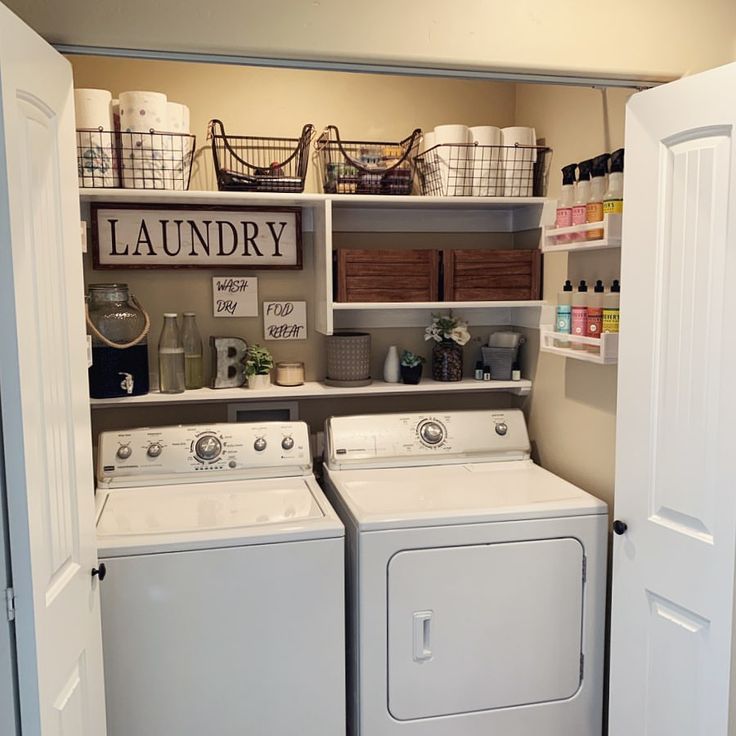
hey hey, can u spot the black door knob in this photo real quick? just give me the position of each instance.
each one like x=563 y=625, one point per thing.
x=619 y=527
x=100 y=571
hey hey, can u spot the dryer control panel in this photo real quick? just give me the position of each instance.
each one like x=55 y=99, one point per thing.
x=389 y=440
x=186 y=454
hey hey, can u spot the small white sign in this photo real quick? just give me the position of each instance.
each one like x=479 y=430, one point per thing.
x=234 y=296
x=285 y=320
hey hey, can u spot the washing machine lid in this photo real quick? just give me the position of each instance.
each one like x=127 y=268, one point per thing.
x=209 y=515
x=393 y=498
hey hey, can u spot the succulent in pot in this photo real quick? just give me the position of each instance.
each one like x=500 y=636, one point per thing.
x=411 y=367
x=258 y=365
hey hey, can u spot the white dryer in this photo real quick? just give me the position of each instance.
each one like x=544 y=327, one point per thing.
x=475 y=579
x=223 y=599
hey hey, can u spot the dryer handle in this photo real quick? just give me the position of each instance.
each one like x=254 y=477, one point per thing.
x=422 y=622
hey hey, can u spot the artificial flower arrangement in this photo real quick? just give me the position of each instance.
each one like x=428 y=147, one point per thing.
x=447 y=327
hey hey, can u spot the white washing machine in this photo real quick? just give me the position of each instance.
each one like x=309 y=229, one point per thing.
x=476 y=579
x=223 y=598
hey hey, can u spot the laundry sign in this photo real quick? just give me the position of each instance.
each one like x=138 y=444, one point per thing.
x=183 y=236
x=285 y=320
x=234 y=296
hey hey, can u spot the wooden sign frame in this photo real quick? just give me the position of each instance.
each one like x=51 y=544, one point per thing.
x=228 y=261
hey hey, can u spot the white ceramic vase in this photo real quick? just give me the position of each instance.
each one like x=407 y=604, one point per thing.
x=391 y=366
x=259 y=380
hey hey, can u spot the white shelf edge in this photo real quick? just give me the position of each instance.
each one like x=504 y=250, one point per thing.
x=374 y=306
x=313 y=198
x=607 y=346
x=581 y=246
x=313 y=390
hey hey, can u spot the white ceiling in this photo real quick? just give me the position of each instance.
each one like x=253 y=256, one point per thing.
x=654 y=39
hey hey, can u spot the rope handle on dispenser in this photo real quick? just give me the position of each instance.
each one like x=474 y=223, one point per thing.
x=117 y=345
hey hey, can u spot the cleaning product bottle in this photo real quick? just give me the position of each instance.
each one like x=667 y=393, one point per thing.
x=579 y=313
x=564 y=314
x=594 y=317
x=613 y=199
x=594 y=207
x=564 y=204
x=582 y=195
x=611 y=302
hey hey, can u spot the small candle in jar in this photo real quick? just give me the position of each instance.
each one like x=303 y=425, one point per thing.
x=289 y=374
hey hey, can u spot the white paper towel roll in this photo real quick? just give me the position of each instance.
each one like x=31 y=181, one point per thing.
x=93 y=108
x=487 y=180
x=96 y=146
x=518 y=162
x=455 y=170
x=143 y=111
x=175 y=117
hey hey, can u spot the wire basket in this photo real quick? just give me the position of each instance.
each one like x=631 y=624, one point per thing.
x=363 y=167
x=472 y=170
x=500 y=361
x=109 y=159
x=257 y=164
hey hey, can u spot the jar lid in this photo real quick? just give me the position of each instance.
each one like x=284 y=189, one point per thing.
x=170 y=314
x=290 y=365
x=189 y=314
x=107 y=287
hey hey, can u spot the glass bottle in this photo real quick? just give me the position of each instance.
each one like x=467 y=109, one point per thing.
x=171 y=379
x=193 y=364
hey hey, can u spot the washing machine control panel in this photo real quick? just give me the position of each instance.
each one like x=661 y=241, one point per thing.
x=181 y=454
x=387 y=440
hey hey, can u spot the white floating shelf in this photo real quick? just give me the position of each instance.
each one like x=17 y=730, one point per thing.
x=565 y=239
x=433 y=306
x=314 y=390
x=603 y=351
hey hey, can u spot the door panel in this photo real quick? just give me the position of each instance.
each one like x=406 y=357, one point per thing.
x=673 y=590
x=43 y=387
x=482 y=627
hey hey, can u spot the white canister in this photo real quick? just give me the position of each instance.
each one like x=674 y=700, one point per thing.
x=96 y=148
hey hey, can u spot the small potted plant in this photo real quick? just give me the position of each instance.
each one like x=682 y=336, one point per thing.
x=258 y=365
x=411 y=367
x=449 y=334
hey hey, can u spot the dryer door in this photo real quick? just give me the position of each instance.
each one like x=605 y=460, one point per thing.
x=484 y=626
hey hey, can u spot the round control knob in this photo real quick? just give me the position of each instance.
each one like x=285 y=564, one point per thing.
x=287 y=443
x=208 y=447
x=154 y=450
x=232 y=464
x=620 y=527
x=502 y=428
x=124 y=452
x=260 y=444
x=432 y=433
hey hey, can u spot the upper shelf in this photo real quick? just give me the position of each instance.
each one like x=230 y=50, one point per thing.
x=367 y=212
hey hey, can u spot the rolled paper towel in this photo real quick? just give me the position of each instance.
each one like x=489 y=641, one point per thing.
x=455 y=172
x=487 y=181
x=518 y=161
x=141 y=112
x=96 y=149
x=143 y=151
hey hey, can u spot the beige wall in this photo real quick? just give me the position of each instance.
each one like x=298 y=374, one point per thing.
x=266 y=101
x=655 y=39
x=573 y=406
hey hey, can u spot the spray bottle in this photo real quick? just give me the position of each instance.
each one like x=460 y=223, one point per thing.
x=613 y=199
x=582 y=195
x=594 y=208
x=567 y=198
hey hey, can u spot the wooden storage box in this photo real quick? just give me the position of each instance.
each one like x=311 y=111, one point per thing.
x=387 y=275
x=492 y=275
